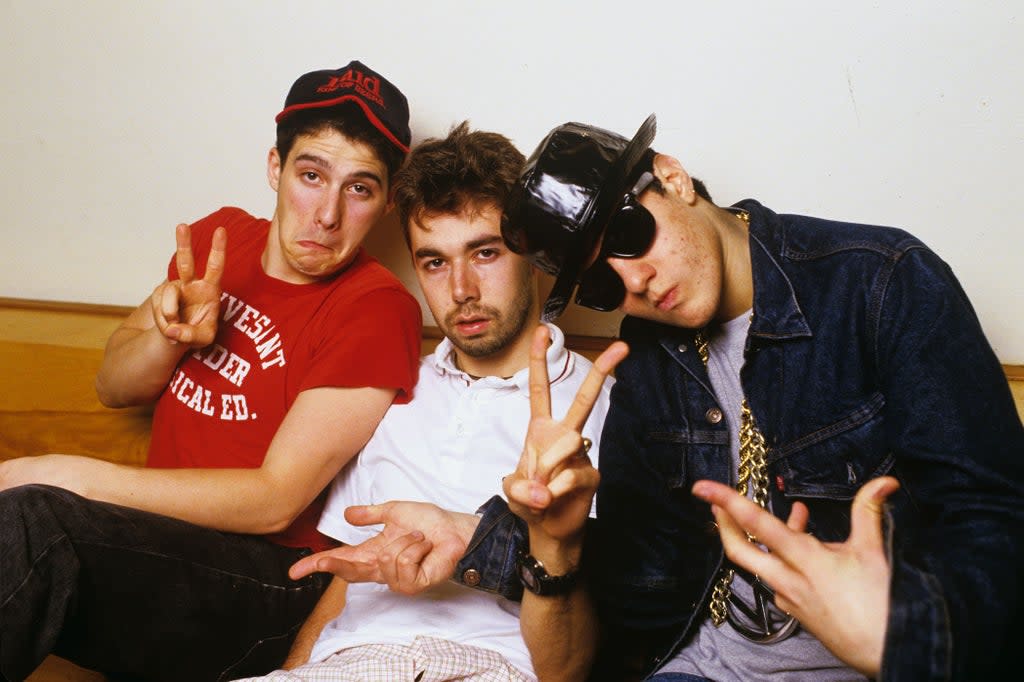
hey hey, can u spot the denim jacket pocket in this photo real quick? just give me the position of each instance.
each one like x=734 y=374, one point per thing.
x=679 y=455
x=825 y=467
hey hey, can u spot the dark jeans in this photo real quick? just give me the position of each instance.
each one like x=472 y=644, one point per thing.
x=141 y=596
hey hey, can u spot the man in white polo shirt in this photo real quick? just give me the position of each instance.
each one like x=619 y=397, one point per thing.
x=463 y=430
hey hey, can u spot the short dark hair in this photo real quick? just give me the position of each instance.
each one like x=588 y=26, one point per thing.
x=446 y=176
x=346 y=118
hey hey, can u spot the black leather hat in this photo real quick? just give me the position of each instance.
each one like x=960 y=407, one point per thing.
x=568 y=190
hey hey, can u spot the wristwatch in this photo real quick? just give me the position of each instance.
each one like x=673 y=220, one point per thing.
x=536 y=578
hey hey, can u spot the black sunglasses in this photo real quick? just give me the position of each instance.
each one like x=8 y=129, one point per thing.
x=629 y=234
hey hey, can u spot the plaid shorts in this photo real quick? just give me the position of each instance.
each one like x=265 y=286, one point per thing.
x=427 y=659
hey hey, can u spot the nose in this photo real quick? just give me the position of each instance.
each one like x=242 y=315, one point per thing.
x=330 y=211
x=636 y=273
x=464 y=283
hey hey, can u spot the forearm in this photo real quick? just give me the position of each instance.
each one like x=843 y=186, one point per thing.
x=233 y=500
x=561 y=635
x=560 y=631
x=327 y=609
x=137 y=365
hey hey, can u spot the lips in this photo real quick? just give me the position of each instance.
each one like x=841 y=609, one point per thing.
x=312 y=246
x=665 y=301
x=472 y=326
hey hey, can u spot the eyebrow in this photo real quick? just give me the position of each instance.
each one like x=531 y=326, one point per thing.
x=321 y=162
x=427 y=252
x=483 y=241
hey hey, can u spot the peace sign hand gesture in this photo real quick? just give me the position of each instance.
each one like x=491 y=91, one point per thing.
x=554 y=483
x=185 y=309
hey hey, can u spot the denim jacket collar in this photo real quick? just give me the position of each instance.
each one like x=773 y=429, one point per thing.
x=777 y=313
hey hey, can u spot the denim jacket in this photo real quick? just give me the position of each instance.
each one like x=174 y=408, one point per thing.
x=864 y=358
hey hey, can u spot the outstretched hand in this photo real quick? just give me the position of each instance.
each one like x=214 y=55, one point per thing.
x=418 y=548
x=838 y=591
x=554 y=483
x=185 y=309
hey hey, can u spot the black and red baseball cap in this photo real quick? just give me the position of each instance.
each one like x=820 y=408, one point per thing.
x=384 y=105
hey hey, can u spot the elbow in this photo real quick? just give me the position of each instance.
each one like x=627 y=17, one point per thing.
x=277 y=520
x=276 y=525
x=109 y=395
x=106 y=396
x=263 y=502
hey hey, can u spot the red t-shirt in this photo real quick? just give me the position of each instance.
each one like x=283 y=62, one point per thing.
x=275 y=339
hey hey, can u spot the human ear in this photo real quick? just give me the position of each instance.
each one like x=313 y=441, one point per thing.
x=274 y=168
x=674 y=178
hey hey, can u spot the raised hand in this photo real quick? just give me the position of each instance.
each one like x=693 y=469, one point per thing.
x=417 y=549
x=185 y=309
x=554 y=483
x=838 y=591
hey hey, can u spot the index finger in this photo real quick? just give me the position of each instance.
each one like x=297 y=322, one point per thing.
x=309 y=564
x=590 y=389
x=183 y=255
x=215 y=261
x=751 y=519
x=540 y=391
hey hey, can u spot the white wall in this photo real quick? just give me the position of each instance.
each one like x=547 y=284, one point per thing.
x=120 y=119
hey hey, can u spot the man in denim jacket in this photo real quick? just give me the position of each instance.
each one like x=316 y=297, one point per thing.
x=861 y=414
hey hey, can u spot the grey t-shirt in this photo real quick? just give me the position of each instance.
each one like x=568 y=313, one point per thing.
x=721 y=653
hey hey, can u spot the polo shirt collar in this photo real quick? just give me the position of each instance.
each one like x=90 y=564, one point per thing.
x=560 y=364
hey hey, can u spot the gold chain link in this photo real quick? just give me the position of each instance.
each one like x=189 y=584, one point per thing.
x=752 y=471
x=753 y=458
x=720 y=596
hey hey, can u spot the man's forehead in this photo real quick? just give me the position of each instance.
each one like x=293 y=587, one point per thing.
x=329 y=148
x=455 y=230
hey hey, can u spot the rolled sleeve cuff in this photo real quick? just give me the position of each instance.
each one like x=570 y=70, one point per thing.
x=489 y=563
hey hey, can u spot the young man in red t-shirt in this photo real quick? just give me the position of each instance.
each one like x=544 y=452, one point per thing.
x=271 y=351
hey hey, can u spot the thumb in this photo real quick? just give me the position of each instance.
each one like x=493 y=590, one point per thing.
x=303 y=567
x=532 y=495
x=867 y=512
x=366 y=514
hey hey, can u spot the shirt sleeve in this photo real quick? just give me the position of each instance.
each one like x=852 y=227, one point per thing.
x=351 y=486
x=957 y=563
x=373 y=341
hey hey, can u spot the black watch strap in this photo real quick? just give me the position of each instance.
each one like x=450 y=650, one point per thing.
x=536 y=578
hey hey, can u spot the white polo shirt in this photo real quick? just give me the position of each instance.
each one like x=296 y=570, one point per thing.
x=450 y=445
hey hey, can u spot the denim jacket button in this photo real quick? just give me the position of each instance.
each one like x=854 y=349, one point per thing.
x=471 y=577
x=713 y=415
x=681 y=348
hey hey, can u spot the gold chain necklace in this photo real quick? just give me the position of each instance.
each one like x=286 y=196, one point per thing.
x=752 y=474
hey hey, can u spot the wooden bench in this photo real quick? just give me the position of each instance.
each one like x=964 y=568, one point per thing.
x=49 y=355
